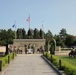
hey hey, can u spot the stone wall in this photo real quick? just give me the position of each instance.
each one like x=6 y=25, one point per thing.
x=20 y=43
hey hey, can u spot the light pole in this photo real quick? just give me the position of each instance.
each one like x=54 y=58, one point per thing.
x=6 y=53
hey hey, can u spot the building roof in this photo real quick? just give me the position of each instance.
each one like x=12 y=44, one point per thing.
x=74 y=37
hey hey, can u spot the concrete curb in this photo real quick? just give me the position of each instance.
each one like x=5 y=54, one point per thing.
x=60 y=73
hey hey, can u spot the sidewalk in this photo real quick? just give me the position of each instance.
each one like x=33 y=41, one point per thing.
x=29 y=64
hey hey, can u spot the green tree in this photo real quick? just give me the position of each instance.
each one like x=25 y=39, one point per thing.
x=41 y=33
x=32 y=33
x=48 y=35
x=35 y=33
x=3 y=34
x=19 y=33
x=69 y=41
x=63 y=34
x=75 y=42
x=6 y=36
x=23 y=33
x=29 y=34
x=10 y=36
x=59 y=41
x=38 y=34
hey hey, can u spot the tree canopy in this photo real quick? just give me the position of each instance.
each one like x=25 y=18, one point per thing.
x=63 y=39
x=6 y=36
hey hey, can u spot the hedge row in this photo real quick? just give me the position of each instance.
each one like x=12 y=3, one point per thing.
x=66 y=66
x=5 y=59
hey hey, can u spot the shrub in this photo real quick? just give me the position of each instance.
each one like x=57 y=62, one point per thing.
x=5 y=59
x=55 y=61
x=44 y=54
x=66 y=66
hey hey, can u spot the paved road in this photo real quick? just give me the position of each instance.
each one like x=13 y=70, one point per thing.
x=30 y=65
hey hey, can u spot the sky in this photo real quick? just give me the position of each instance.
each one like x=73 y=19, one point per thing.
x=53 y=14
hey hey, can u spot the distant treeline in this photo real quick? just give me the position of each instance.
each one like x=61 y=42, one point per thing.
x=31 y=34
x=7 y=36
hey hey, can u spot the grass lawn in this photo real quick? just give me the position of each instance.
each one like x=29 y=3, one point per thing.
x=71 y=60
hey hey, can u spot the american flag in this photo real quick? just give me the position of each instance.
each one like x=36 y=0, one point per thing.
x=28 y=19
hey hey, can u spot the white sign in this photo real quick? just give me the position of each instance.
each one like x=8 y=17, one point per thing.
x=2 y=49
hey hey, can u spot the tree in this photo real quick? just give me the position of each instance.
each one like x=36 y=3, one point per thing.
x=23 y=33
x=19 y=33
x=6 y=36
x=48 y=35
x=41 y=33
x=75 y=42
x=32 y=33
x=63 y=34
x=69 y=41
x=59 y=41
x=29 y=33
x=38 y=33
x=3 y=34
x=35 y=33
x=10 y=36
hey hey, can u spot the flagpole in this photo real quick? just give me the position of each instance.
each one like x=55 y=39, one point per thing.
x=43 y=29
x=14 y=26
x=29 y=25
x=15 y=29
x=29 y=21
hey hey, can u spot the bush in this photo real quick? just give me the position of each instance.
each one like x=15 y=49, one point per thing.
x=11 y=56
x=44 y=54
x=55 y=61
x=5 y=59
x=66 y=66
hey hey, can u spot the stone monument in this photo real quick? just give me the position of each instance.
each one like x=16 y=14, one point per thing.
x=24 y=43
